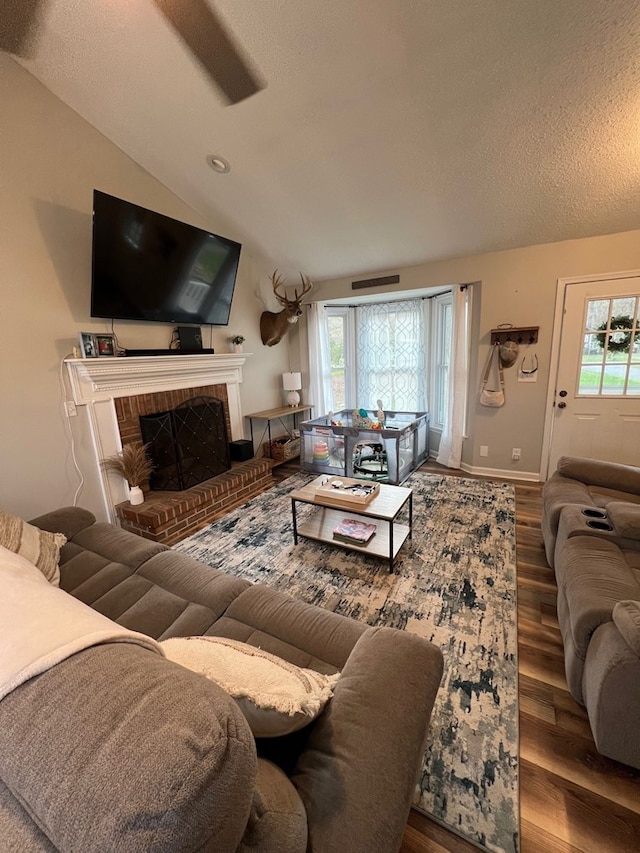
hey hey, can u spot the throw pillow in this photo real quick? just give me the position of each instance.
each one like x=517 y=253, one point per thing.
x=275 y=696
x=39 y=547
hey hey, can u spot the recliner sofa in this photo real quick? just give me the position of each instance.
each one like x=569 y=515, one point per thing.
x=591 y=531
x=117 y=748
x=590 y=484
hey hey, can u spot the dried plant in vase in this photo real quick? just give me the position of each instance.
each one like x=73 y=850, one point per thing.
x=134 y=465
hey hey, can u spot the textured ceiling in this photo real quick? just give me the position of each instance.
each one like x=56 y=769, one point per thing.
x=391 y=132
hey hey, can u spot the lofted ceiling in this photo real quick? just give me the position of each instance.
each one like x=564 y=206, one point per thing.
x=390 y=132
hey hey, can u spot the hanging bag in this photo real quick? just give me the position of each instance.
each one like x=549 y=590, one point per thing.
x=494 y=398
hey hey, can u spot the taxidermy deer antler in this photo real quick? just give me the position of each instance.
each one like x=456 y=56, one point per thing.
x=273 y=327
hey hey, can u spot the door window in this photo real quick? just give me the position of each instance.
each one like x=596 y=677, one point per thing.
x=610 y=362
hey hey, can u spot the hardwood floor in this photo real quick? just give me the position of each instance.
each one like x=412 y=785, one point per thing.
x=572 y=799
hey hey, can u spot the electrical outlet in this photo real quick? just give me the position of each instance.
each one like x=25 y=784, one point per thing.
x=484 y=450
x=515 y=454
x=70 y=406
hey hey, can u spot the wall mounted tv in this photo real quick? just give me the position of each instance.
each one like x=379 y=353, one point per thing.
x=146 y=266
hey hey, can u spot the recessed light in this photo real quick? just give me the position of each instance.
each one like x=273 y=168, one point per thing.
x=218 y=163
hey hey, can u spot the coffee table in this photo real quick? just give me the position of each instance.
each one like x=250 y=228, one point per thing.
x=385 y=507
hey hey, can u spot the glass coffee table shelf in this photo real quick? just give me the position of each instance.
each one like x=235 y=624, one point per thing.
x=385 y=508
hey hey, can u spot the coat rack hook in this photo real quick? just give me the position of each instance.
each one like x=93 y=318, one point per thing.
x=507 y=332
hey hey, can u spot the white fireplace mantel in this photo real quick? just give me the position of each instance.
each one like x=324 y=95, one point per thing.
x=93 y=379
x=95 y=382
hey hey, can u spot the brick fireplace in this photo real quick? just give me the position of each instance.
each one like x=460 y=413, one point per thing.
x=114 y=392
x=168 y=516
x=188 y=443
x=129 y=410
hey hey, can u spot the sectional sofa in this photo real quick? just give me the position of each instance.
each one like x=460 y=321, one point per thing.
x=119 y=748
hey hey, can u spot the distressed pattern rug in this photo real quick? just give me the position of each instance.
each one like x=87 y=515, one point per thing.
x=454 y=584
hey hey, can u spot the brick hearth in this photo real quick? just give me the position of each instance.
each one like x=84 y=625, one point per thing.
x=168 y=517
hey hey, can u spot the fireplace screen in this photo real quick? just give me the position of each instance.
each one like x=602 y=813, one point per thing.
x=187 y=445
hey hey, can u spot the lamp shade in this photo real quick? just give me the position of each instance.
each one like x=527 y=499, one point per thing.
x=292 y=381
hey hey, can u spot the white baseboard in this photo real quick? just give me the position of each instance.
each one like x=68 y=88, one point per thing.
x=502 y=474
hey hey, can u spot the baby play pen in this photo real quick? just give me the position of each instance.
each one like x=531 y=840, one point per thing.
x=357 y=444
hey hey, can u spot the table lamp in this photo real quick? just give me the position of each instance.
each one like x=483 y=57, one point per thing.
x=292 y=382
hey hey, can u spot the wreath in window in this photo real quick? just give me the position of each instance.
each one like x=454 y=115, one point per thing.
x=619 y=342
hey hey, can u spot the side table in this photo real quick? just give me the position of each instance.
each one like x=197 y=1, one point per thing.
x=270 y=415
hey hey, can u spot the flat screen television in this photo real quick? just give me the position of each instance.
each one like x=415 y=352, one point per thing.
x=146 y=266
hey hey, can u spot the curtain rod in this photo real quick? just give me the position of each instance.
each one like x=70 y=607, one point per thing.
x=387 y=301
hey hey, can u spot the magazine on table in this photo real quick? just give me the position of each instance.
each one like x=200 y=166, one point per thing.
x=352 y=530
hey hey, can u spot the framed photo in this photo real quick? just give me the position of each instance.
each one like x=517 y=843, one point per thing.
x=88 y=345
x=106 y=344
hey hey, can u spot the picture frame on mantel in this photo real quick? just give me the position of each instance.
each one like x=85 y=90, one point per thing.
x=106 y=345
x=88 y=345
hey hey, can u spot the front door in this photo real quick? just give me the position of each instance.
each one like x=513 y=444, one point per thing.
x=597 y=393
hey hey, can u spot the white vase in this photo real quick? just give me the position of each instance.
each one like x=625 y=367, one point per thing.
x=237 y=347
x=136 y=495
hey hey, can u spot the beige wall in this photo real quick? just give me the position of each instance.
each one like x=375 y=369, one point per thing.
x=51 y=162
x=518 y=287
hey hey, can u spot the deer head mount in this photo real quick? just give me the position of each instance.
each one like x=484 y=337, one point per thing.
x=274 y=326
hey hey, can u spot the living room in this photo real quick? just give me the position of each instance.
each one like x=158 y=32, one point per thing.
x=47 y=202
x=54 y=158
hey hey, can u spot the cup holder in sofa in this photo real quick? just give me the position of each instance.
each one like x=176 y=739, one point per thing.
x=594 y=513
x=599 y=525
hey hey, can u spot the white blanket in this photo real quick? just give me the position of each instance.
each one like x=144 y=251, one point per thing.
x=41 y=625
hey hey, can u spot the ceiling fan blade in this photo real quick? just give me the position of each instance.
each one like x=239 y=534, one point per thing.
x=204 y=34
x=18 y=25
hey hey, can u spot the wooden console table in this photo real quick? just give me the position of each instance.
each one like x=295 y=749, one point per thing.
x=270 y=415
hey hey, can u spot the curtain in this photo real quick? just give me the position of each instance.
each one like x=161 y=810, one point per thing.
x=391 y=356
x=450 y=452
x=320 y=392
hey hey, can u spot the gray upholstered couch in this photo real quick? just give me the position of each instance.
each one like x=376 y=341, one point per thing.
x=119 y=749
x=591 y=485
x=591 y=530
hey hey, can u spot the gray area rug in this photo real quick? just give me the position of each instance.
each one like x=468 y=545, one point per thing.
x=454 y=584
